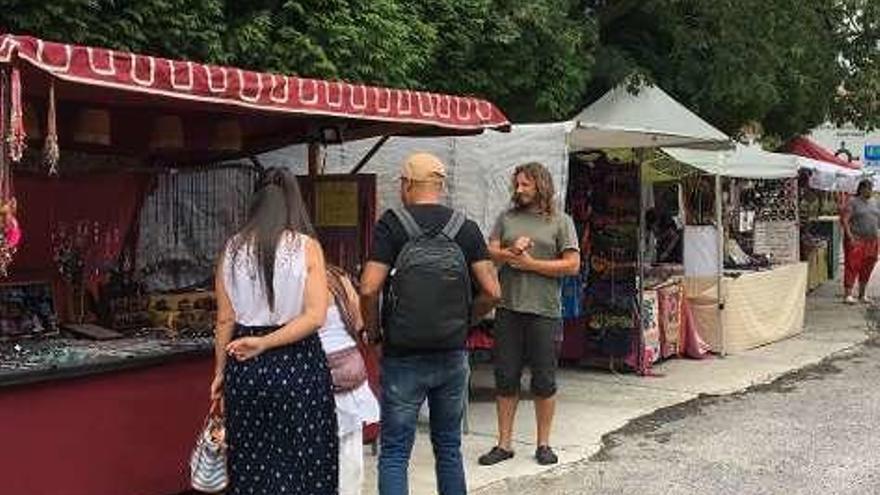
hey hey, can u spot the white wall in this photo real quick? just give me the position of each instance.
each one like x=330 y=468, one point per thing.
x=479 y=166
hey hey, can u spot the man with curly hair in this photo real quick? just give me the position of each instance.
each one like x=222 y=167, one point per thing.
x=534 y=245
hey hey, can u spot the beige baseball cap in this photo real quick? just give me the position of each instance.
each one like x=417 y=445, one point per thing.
x=423 y=167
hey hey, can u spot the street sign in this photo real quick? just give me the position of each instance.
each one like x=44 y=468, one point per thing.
x=872 y=156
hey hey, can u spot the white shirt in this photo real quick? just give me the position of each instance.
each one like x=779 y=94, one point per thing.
x=356 y=406
x=244 y=285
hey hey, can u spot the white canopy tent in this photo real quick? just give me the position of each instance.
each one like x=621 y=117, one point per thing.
x=830 y=177
x=752 y=162
x=645 y=118
x=744 y=162
x=649 y=118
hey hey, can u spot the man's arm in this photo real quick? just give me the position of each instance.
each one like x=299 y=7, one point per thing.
x=490 y=290
x=372 y=280
x=567 y=264
x=845 y=214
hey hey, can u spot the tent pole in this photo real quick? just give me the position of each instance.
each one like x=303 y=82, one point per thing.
x=315 y=158
x=363 y=161
x=719 y=230
x=640 y=286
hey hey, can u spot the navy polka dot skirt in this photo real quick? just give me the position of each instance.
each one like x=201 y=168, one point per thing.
x=281 y=420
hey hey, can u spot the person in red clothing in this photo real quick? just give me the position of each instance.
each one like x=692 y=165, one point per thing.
x=860 y=219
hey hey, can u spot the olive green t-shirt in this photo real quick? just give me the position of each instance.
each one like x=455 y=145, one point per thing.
x=530 y=292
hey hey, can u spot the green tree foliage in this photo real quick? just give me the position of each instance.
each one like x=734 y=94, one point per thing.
x=859 y=35
x=734 y=62
x=373 y=41
x=174 y=28
x=531 y=56
x=786 y=64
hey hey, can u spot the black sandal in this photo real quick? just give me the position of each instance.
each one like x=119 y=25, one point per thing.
x=545 y=455
x=496 y=455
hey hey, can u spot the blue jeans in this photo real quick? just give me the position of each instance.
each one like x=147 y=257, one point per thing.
x=407 y=381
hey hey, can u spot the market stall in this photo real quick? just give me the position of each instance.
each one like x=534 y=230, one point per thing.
x=633 y=311
x=107 y=159
x=754 y=252
x=825 y=188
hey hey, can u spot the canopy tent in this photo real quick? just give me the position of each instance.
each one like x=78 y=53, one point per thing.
x=744 y=162
x=647 y=119
x=751 y=162
x=826 y=176
x=134 y=99
x=806 y=147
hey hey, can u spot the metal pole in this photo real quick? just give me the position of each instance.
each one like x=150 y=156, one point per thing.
x=640 y=284
x=719 y=230
x=363 y=161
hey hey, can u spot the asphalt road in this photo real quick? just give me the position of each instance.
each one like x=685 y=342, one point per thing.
x=812 y=432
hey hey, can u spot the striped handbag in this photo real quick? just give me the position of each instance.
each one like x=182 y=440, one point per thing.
x=208 y=461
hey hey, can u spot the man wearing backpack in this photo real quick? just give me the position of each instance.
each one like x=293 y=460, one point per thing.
x=426 y=256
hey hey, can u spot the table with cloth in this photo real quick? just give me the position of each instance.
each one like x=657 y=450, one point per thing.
x=760 y=307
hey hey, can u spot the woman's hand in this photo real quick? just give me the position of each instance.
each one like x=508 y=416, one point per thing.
x=217 y=387
x=246 y=348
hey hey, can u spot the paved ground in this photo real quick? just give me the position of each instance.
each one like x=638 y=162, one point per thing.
x=811 y=432
x=594 y=403
x=692 y=429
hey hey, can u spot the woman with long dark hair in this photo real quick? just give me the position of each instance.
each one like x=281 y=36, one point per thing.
x=270 y=371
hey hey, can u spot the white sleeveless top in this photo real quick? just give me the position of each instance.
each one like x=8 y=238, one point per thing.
x=358 y=406
x=243 y=280
x=334 y=335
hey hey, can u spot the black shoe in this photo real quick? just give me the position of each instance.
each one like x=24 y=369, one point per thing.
x=545 y=456
x=496 y=455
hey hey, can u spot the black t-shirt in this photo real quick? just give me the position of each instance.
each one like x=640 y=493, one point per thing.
x=389 y=238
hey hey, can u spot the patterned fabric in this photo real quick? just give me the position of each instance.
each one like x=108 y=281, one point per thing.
x=670 y=320
x=651 y=328
x=281 y=421
x=256 y=92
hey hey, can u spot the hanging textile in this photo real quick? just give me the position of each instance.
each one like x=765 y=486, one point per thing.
x=16 y=136
x=10 y=232
x=51 y=152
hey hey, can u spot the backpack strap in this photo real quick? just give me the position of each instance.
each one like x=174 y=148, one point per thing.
x=455 y=223
x=409 y=223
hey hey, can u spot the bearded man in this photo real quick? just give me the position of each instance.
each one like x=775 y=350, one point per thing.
x=534 y=245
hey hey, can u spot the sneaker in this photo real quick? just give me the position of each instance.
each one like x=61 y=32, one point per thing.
x=494 y=456
x=545 y=456
x=850 y=300
x=866 y=300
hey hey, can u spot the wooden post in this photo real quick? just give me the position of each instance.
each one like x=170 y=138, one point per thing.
x=315 y=156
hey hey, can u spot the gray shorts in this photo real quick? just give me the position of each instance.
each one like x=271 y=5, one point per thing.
x=521 y=339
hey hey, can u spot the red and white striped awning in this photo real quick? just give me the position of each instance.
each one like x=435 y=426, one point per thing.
x=274 y=110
